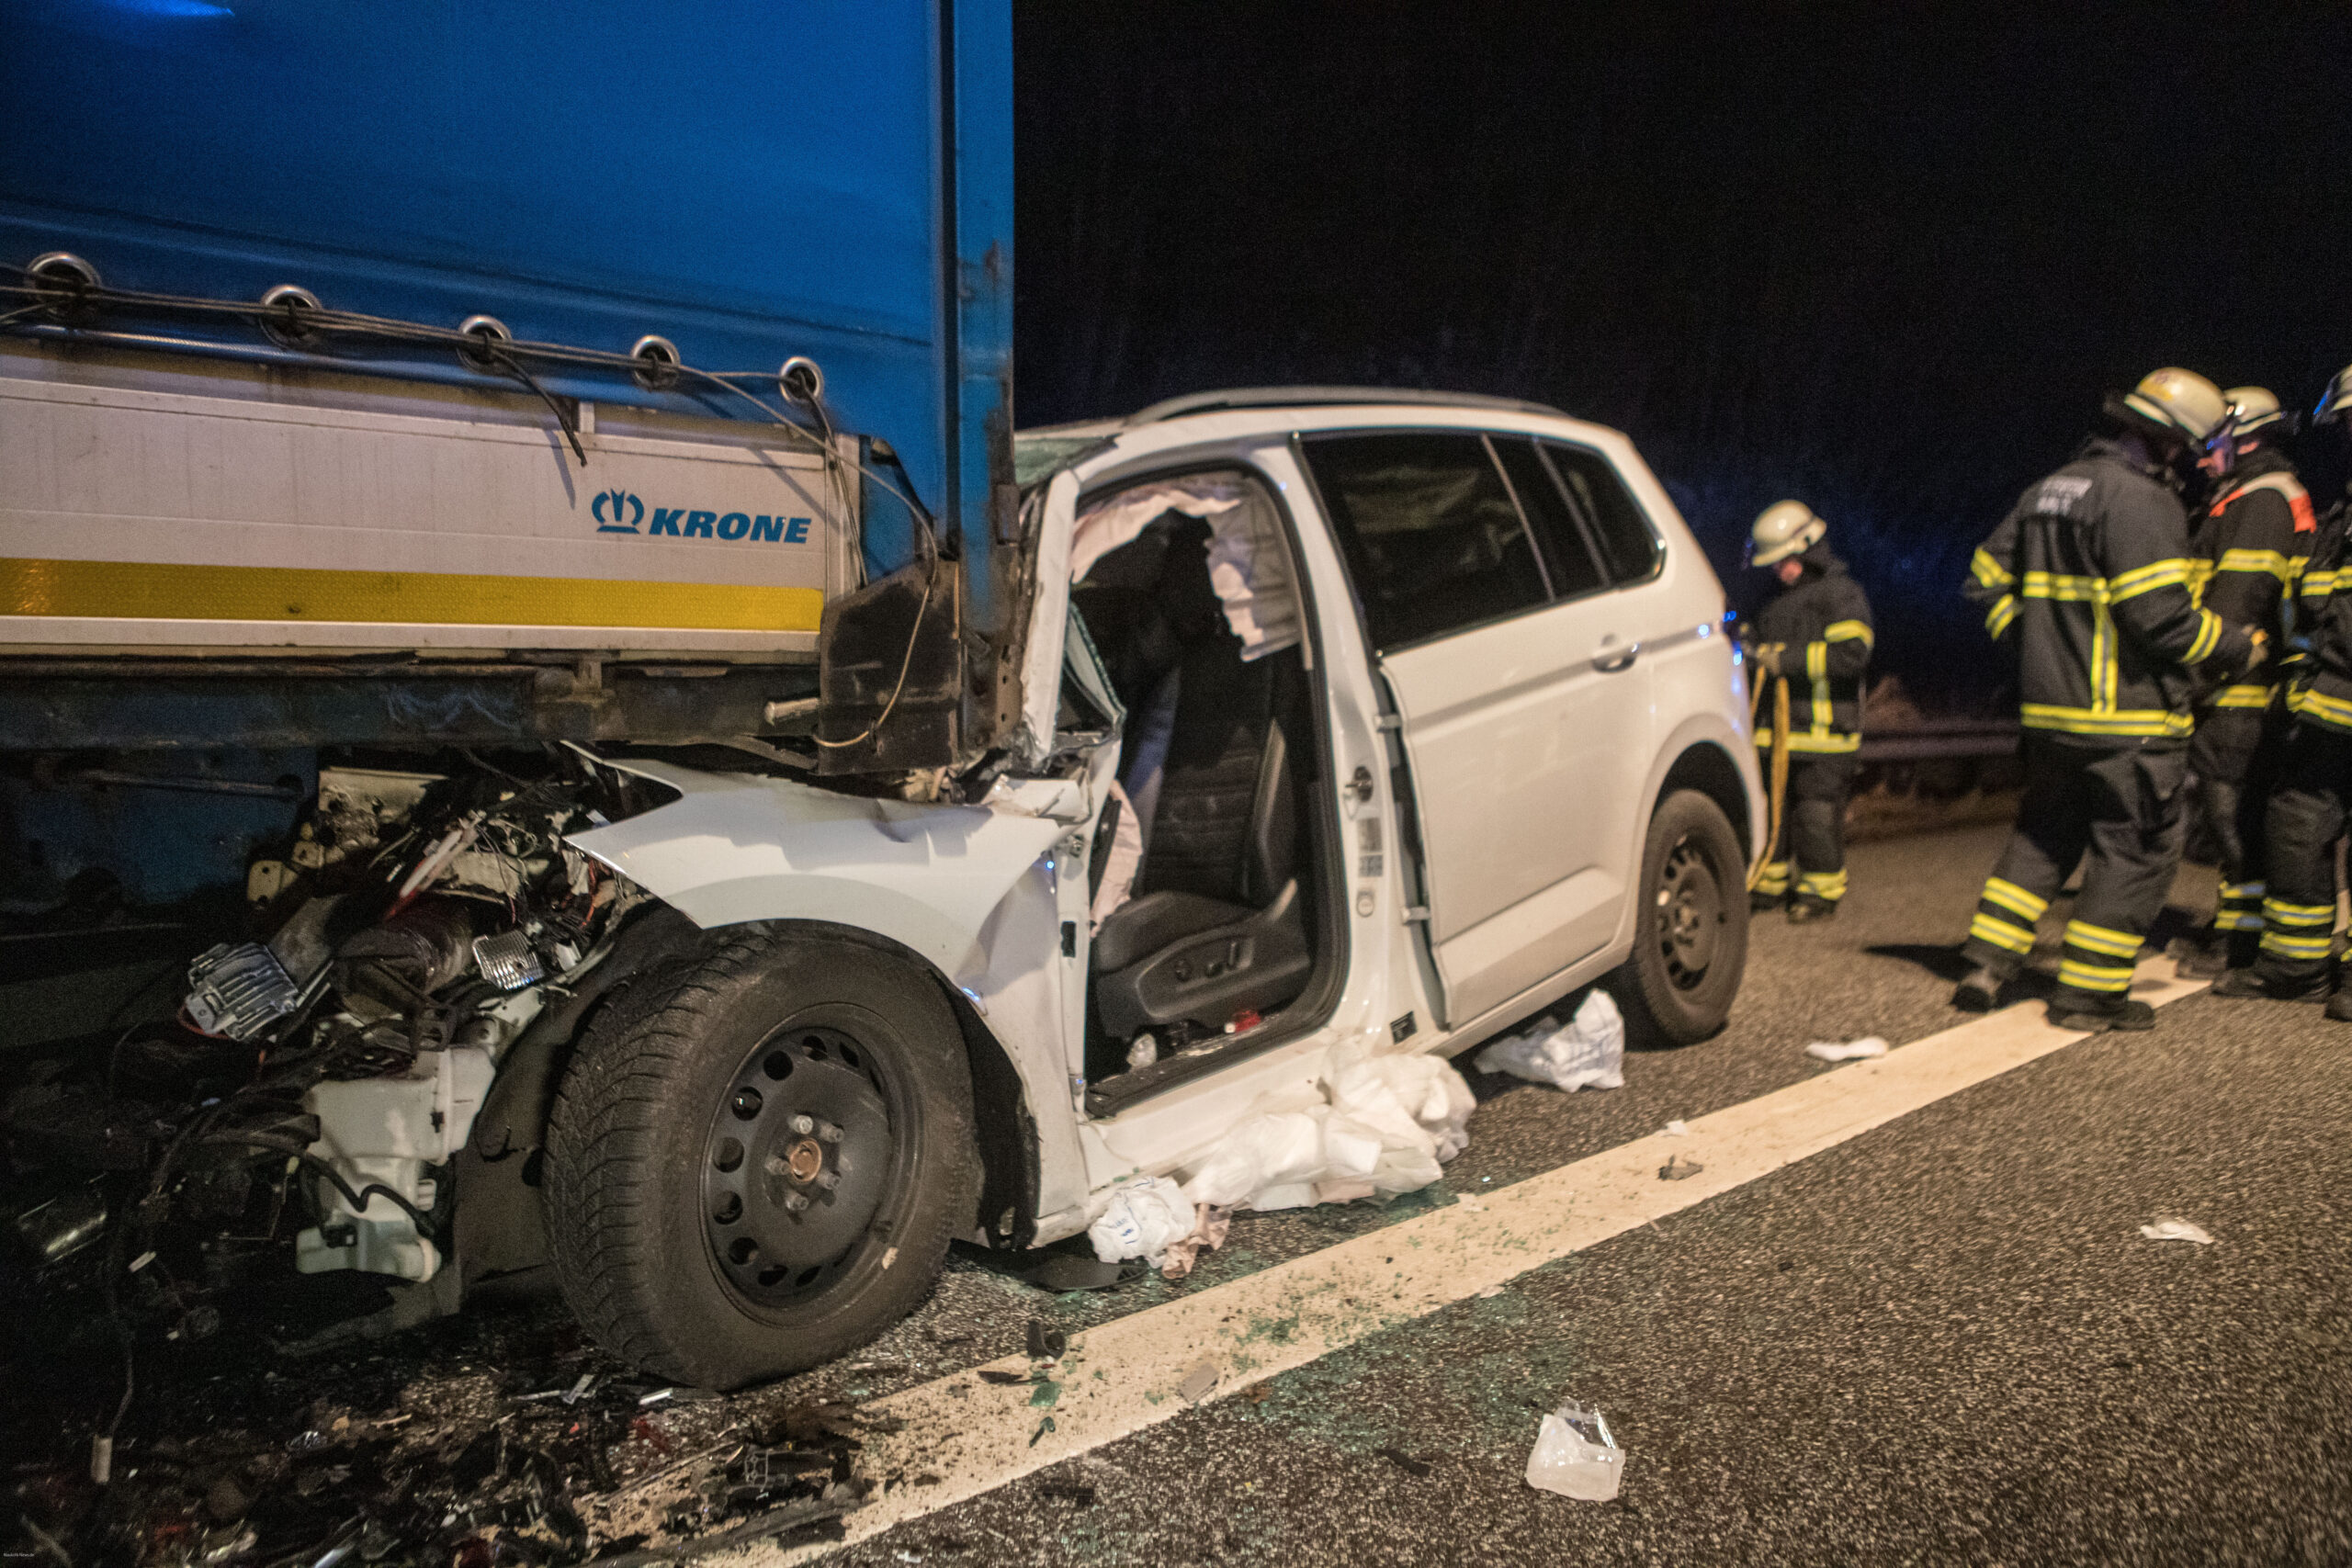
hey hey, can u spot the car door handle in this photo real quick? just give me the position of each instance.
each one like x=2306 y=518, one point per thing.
x=1610 y=663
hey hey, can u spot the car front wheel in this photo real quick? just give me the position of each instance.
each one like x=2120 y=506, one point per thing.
x=757 y=1162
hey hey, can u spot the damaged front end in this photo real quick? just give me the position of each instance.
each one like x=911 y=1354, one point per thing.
x=301 y=1093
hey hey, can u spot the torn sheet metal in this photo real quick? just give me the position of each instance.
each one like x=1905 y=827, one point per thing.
x=737 y=847
x=1041 y=663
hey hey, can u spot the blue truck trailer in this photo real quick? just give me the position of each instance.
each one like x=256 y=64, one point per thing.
x=411 y=420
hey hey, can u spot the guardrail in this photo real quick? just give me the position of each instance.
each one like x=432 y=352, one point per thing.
x=1939 y=737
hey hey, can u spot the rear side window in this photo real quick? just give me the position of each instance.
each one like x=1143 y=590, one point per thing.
x=1567 y=553
x=1430 y=533
x=1632 y=549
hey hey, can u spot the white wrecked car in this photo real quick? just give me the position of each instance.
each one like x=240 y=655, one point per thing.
x=1345 y=717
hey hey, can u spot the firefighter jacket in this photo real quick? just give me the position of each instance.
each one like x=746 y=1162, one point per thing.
x=2248 y=551
x=1822 y=626
x=2088 y=581
x=2322 y=692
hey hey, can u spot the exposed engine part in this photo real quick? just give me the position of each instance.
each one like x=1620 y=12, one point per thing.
x=507 y=961
x=359 y=810
x=424 y=946
x=386 y=1132
x=238 y=991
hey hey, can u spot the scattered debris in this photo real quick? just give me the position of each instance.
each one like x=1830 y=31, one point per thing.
x=991 y=1374
x=1381 y=1126
x=1142 y=1219
x=1677 y=1169
x=1576 y=1456
x=1046 y=1343
x=1043 y=1428
x=1589 y=1052
x=2176 y=1230
x=1405 y=1461
x=1853 y=1050
x=1676 y=1129
x=1210 y=1227
x=1200 y=1383
x=1053 y=1269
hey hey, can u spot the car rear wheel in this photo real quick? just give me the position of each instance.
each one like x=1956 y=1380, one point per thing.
x=1690 y=930
x=756 y=1164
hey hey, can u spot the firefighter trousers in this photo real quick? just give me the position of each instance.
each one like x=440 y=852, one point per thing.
x=1809 y=854
x=2307 y=816
x=2236 y=756
x=2122 y=807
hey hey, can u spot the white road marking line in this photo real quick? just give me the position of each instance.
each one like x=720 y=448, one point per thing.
x=1126 y=1376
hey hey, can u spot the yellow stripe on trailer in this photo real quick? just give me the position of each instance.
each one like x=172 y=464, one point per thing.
x=158 y=590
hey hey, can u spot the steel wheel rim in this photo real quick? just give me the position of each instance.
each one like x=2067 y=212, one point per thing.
x=800 y=1161
x=1690 y=913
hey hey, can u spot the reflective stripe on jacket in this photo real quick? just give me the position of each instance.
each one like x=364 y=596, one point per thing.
x=2089 y=579
x=2323 y=693
x=2250 y=549
x=1822 y=624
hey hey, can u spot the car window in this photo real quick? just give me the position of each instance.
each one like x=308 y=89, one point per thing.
x=1567 y=553
x=1628 y=544
x=1431 y=537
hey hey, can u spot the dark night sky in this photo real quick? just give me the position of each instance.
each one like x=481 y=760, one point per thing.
x=1886 y=265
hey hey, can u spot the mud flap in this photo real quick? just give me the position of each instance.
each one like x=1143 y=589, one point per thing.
x=890 y=677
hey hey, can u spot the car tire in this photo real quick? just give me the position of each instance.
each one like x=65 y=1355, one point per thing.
x=1690 y=925
x=757 y=1159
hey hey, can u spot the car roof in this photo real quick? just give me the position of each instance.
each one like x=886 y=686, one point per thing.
x=1235 y=398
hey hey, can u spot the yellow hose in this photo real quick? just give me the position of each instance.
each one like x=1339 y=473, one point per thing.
x=1779 y=780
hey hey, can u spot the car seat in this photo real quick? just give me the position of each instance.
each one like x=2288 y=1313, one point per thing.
x=1218 y=927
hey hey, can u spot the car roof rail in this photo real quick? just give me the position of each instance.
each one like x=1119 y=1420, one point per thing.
x=1296 y=397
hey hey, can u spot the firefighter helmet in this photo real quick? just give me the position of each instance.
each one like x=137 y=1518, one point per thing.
x=1784 y=529
x=2254 y=411
x=2177 y=404
x=2337 y=400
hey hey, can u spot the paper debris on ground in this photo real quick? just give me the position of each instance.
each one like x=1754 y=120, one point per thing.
x=1589 y=1052
x=1576 y=1456
x=1853 y=1050
x=1677 y=1129
x=1677 y=1169
x=2176 y=1230
x=1142 y=1219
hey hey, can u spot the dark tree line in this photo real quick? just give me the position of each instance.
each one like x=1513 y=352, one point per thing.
x=1883 y=261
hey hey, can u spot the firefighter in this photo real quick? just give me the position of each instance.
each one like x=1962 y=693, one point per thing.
x=2088 y=581
x=1816 y=633
x=2248 y=548
x=2307 y=811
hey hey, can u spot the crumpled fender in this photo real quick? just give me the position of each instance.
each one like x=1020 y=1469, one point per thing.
x=739 y=847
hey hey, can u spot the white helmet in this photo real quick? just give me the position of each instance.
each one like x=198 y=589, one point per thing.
x=2254 y=411
x=2179 y=403
x=1784 y=529
x=2337 y=400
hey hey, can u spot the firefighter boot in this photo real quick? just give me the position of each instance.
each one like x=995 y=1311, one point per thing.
x=1980 y=989
x=2260 y=980
x=2071 y=1009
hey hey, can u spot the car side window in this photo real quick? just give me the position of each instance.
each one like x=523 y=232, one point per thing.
x=1568 y=555
x=1428 y=529
x=1628 y=544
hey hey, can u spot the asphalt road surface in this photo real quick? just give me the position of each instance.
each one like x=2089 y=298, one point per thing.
x=1943 y=1340
x=1940 y=1338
